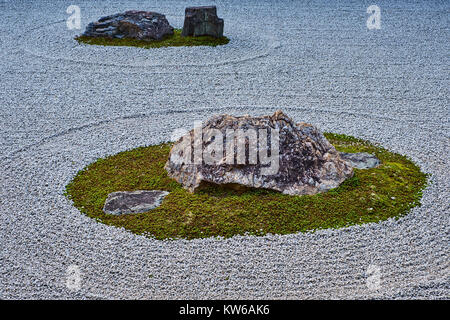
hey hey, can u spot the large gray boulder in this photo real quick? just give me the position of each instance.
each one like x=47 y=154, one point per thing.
x=140 y=25
x=202 y=21
x=270 y=152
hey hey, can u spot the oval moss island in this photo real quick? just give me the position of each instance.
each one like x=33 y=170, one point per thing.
x=371 y=195
x=175 y=40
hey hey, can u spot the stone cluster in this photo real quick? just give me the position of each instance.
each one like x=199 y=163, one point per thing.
x=146 y=25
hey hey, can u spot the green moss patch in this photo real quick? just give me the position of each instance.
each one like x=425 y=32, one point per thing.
x=176 y=40
x=372 y=195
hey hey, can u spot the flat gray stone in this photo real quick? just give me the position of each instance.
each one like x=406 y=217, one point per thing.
x=126 y=202
x=361 y=160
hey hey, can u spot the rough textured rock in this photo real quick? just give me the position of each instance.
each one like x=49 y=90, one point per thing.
x=125 y=202
x=301 y=160
x=202 y=21
x=140 y=25
x=360 y=160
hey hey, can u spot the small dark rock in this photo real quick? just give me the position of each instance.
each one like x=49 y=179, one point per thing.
x=202 y=21
x=140 y=25
x=125 y=202
x=360 y=160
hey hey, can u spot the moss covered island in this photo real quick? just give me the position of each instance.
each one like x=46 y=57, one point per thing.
x=175 y=40
x=371 y=195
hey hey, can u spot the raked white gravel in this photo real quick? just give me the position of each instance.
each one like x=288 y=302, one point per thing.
x=64 y=105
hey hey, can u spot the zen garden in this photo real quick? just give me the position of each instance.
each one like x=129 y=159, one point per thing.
x=235 y=150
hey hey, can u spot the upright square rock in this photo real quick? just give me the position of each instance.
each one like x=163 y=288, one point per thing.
x=202 y=21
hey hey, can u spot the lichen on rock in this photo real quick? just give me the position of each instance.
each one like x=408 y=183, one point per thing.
x=133 y=24
x=269 y=152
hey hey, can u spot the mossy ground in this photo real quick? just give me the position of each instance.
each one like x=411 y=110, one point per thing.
x=389 y=190
x=176 y=40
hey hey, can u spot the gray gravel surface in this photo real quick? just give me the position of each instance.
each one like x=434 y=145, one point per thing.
x=64 y=105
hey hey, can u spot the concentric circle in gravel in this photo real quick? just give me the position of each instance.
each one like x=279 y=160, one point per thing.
x=388 y=86
x=292 y=266
x=48 y=42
